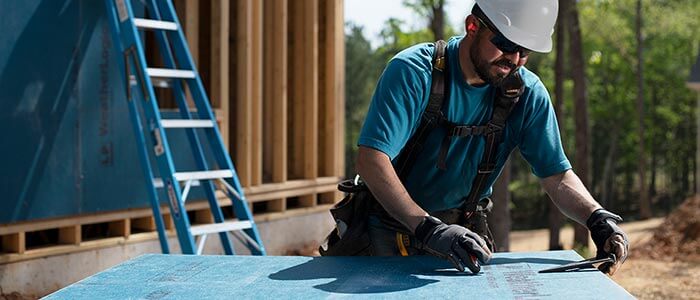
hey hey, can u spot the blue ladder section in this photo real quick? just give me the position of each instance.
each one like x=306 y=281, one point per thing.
x=200 y=125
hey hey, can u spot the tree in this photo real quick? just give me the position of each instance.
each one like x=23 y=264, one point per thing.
x=433 y=11
x=361 y=73
x=580 y=108
x=499 y=219
x=644 y=205
x=554 y=216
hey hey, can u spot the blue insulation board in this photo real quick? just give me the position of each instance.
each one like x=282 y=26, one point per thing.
x=507 y=276
x=67 y=145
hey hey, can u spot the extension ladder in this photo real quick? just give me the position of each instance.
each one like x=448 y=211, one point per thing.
x=179 y=73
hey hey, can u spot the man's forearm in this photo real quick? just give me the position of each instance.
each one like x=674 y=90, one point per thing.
x=377 y=172
x=570 y=196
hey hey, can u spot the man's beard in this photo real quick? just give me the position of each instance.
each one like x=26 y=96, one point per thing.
x=482 y=67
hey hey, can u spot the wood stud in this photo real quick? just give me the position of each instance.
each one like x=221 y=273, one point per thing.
x=257 y=93
x=242 y=85
x=13 y=243
x=143 y=224
x=70 y=235
x=303 y=86
x=274 y=71
x=331 y=86
x=188 y=12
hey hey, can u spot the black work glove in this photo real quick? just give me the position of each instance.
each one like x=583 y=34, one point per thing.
x=455 y=243
x=608 y=238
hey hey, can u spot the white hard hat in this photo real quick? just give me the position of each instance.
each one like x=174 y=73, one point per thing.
x=528 y=23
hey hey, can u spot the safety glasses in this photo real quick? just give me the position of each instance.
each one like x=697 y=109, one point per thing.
x=504 y=44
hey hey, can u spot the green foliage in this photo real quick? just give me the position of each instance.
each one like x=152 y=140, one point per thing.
x=671 y=31
x=362 y=69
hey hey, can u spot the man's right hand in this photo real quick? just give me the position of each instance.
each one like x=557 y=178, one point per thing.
x=455 y=243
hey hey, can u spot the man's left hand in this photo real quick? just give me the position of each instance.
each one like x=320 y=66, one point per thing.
x=608 y=238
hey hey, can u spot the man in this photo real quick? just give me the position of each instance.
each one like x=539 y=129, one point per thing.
x=487 y=63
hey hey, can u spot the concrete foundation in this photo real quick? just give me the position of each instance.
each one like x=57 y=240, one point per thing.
x=39 y=277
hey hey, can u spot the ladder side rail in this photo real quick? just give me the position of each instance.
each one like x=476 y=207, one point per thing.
x=198 y=92
x=137 y=127
x=193 y=138
x=165 y=164
x=239 y=205
x=214 y=136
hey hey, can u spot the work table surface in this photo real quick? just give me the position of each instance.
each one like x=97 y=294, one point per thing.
x=507 y=276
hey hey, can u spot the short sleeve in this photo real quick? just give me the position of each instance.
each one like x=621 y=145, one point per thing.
x=541 y=143
x=396 y=107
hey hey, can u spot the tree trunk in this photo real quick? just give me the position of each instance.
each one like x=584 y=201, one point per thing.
x=555 y=218
x=695 y=174
x=605 y=195
x=644 y=205
x=437 y=20
x=654 y=148
x=580 y=110
x=696 y=161
x=685 y=178
x=499 y=219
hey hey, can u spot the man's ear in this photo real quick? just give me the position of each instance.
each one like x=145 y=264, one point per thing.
x=471 y=24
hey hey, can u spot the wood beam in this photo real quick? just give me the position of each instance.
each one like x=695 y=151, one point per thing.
x=257 y=93
x=304 y=91
x=70 y=235
x=331 y=92
x=120 y=228
x=13 y=243
x=241 y=81
x=143 y=224
x=275 y=51
x=188 y=14
x=219 y=63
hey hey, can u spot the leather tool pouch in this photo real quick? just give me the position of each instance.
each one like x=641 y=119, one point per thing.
x=351 y=236
x=477 y=223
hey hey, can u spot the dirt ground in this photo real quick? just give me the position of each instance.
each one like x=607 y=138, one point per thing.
x=643 y=277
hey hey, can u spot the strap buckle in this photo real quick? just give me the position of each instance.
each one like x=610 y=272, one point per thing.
x=352 y=185
x=486 y=168
x=492 y=127
x=461 y=131
x=440 y=64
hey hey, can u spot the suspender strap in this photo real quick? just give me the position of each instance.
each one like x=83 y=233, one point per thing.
x=454 y=130
x=432 y=116
x=507 y=96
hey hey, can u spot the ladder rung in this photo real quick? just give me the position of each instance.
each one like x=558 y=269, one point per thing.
x=203 y=175
x=220 y=227
x=157 y=82
x=187 y=123
x=154 y=24
x=196 y=176
x=170 y=73
x=158 y=183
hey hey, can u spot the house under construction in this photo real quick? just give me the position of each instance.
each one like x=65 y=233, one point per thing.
x=75 y=199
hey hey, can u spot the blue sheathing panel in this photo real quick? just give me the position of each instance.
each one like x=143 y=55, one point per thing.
x=508 y=276
x=66 y=143
x=40 y=61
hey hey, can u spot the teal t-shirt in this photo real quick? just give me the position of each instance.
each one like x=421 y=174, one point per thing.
x=400 y=99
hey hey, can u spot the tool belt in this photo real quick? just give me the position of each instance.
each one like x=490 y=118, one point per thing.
x=351 y=235
x=475 y=221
